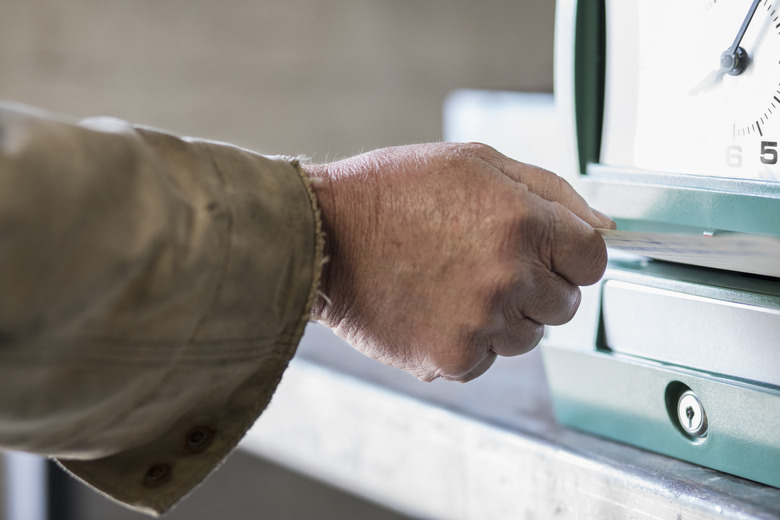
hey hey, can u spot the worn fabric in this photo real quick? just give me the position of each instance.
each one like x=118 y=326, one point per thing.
x=152 y=291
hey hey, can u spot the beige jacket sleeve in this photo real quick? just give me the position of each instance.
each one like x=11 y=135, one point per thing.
x=152 y=291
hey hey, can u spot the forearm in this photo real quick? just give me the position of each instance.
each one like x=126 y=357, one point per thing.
x=148 y=283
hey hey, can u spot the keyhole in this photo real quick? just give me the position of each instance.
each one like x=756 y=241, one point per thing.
x=689 y=413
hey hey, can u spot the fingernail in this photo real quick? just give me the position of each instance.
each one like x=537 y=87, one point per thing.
x=604 y=218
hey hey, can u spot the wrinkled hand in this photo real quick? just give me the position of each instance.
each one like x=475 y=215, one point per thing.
x=443 y=256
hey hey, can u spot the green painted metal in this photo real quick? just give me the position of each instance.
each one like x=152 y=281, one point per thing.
x=696 y=281
x=658 y=199
x=630 y=399
x=589 y=45
x=670 y=201
x=626 y=399
x=633 y=399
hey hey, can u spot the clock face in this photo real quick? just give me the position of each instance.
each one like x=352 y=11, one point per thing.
x=693 y=87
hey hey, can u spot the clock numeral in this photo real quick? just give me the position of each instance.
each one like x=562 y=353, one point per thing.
x=734 y=156
x=769 y=152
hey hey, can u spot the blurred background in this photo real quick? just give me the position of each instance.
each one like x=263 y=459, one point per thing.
x=322 y=79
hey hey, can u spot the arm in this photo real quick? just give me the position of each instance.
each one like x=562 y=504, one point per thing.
x=154 y=288
x=152 y=291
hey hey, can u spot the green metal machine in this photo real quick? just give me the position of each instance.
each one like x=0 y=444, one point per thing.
x=674 y=111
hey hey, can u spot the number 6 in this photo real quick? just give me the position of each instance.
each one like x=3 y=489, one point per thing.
x=734 y=156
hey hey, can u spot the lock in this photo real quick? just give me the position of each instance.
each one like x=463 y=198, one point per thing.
x=691 y=415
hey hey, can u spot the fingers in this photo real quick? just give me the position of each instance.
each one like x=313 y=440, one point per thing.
x=552 y=301
x=514 y=336
x=547 y=185
x=517 y=337
x=577 y=251
x=568 y=253
x=553 y=188
x=478 y=370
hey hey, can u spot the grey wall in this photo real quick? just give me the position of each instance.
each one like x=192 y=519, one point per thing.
x=323 y=78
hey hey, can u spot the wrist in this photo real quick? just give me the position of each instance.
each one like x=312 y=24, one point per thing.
x=322 y=187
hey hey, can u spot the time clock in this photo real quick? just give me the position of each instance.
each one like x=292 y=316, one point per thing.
x=693 y=87
x=669 y=114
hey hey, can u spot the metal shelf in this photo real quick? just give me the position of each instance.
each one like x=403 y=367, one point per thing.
x=486 y=449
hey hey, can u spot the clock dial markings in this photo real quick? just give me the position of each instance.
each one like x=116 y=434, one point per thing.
x=728 y=124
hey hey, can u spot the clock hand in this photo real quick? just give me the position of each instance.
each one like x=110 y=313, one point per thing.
x=734 y=59
x=709 y=81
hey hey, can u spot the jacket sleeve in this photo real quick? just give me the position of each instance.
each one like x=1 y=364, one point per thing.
x=152 y=291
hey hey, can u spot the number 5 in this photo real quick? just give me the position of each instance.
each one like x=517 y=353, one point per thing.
x=769 y=152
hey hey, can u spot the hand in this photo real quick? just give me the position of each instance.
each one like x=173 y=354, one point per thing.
x=443 y=256
x=732 y=51
x=709 y=81
x=733 y=60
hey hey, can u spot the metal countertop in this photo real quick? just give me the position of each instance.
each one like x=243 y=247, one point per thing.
x=488 y=449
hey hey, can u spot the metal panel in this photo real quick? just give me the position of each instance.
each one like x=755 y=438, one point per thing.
x=25 y=486
x=677 y=200
x=627 y=399
x=702 y=333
